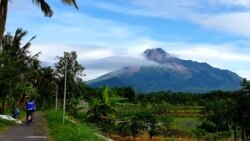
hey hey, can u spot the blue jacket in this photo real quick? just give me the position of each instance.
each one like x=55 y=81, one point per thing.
x=29 y=106
x=34 y=106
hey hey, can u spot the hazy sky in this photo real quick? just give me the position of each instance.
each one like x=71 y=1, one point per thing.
x=109 y=34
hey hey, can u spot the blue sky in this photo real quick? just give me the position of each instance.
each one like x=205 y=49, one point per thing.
x=118 y=31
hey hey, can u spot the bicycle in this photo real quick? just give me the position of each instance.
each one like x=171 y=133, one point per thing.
x=29 y=118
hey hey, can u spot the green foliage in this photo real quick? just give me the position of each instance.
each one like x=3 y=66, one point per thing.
x=46 y=84
x=74 y=69
x=30 y=91
x=15 y=70
x=74 y=82
x=105 y=96
x=126 y=92
x=218 y=111
x=224 y=134
x=162 y=108
x=140 y=122
x=199 y=132
x=103 y=106
x=171 y=98
x=208 y=126
x=69 y=131
x=185 y=123
x=75 y=106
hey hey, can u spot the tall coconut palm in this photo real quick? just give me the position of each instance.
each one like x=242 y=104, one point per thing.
x=3 y=17
x=42 y=4
x=15 y=62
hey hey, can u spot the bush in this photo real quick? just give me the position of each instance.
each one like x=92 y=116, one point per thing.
x=208 y=126
x=224 y=134
x=199 y=133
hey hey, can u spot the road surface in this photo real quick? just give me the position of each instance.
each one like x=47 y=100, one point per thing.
x=37 y=131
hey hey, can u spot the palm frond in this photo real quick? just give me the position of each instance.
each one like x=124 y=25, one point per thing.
x=71 y=2
x=44 y=6
x=25 y=48
x=19 y=34
x=36 y=55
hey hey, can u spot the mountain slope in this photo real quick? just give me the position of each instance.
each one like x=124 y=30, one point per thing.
x=172 y=74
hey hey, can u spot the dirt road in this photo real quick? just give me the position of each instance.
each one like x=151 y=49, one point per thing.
x=37 y=131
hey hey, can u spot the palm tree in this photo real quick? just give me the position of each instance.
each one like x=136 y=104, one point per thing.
x=44 y=78
x=15 y=63
x=42 y=4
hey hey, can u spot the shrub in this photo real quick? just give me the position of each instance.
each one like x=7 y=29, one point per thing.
x=208 y=126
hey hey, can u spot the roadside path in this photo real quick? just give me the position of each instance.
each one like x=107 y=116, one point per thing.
x=37 y=131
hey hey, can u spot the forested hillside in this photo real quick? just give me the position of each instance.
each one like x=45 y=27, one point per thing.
x=170 y=73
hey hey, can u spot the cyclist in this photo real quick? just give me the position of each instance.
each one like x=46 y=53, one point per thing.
x=29 y=109
x=33 y=108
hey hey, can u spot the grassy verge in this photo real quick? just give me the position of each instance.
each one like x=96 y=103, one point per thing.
x=5 y=123
x=69 y=131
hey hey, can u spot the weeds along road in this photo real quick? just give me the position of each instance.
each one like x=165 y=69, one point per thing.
x=37 y=131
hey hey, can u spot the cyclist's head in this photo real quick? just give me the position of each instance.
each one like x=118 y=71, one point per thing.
x=30 y=100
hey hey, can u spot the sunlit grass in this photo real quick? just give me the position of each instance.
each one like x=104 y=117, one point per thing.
x=69 y=131
x=185 y=123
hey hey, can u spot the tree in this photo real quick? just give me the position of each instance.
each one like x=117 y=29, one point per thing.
x=242 y=114
x=219 y=112
x=127 y=92
x=153 y=127
x=42 y=4
x=103 y=105
x=141 y=121
x=74 y=77
x=137 y=124
x=74 y=69
x=15 y=62
x=165 y=122
x=43 y=79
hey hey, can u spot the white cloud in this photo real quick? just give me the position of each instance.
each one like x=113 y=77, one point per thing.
x=49 y=52
x=91 y=54
x=84 y=52
x=219 y=15
x=236 y=23
x=94 y=73
x=99 y=60
x=209 y=52
x=117 y=62
x=243 y=3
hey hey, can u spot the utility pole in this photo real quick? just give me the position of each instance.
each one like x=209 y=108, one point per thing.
x=65 y=87
x=56 y=96
x=56 y=93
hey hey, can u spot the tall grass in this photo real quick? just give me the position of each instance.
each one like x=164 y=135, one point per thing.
x=69 y=131
x=185 y=123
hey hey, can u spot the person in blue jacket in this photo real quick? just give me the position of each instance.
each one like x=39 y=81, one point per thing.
x=33 y=108
x=29 y=108
x=15 y=112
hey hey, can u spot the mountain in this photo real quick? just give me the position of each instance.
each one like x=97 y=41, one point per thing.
x=171 y=74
